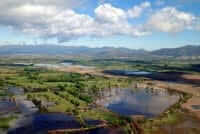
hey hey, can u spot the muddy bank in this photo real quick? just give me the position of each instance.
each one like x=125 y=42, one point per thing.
x=185 y=124
x=193 y=105
x=182 y=118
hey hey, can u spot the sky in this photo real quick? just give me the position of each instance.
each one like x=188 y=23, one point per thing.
x=136 y=24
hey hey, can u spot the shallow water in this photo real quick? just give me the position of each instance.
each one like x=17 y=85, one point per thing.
x=128 y=72
x=42 y=123
x=47 y=65
x=63 y=64
x=66 y=64
x=16 y=91
x=137 y=73
x=196 y=107
x=6 y=107
x=103 y=131
x=145 y=102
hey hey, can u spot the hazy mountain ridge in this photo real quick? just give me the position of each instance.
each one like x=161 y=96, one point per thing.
x=97 y=52
x=188 y=50
x=69 y=50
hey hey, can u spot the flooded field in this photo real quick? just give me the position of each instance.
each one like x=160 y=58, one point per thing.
x=103 y=131
x=127 y=72
x=42 y=123
x=6 y=106
x=16 y=90
x=64 y=65
x=146 y=102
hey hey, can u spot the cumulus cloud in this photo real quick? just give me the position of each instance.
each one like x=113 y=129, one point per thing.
x=169 y=19
x=108 y=13
x=53 y=19
x=57 y=19
x=136 y=11
x=7 y=4
x=196 y=24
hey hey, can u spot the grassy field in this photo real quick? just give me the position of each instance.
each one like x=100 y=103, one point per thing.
x=5 y=122
x=148 y=65
x=55 y=91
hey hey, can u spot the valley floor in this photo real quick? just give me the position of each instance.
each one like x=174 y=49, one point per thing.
x=72 y=90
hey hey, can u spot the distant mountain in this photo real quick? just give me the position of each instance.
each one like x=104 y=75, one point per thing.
x=107 y=52
x=104 y=52
x=178 y=52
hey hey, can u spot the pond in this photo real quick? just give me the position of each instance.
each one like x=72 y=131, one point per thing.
x=63 y=64
x=66 y=63
x=47 y=65
x=107 y=130
x=16 y=91
x=128 y=72
x=42 y=123
x=6 y=107
x=146 y=102
x=137 y=73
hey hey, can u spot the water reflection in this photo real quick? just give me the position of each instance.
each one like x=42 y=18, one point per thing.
x=42 y=123
x=6 y=107
x=145 y=102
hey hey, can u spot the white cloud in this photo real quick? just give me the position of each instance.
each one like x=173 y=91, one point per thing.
x=136 y=11
x=60 y=22
x=55 y=19
x=113 y=21
x=169 y=19
x=108 y=13
x=196 y=24
x=7 y=4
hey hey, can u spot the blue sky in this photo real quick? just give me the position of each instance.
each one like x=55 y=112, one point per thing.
x=146 y=24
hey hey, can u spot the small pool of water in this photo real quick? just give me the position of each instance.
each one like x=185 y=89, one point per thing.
x=146 y=102
x=137 y=73
x=16 y=91
x=104 y=131
x=42 y=123
x=66 y=64
x=196 y=107
x=6 y=107
x=128 y=72
x=47 y=65
x=63 y=64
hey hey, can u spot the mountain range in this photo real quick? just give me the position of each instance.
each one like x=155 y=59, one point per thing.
x=189 y=50
x=108 y=52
